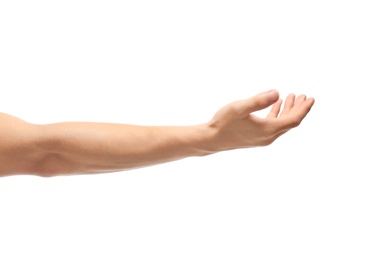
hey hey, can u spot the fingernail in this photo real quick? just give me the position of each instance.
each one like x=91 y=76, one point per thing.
x=273 y=95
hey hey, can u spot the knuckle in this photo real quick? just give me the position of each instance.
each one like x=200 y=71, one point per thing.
x=235 y=107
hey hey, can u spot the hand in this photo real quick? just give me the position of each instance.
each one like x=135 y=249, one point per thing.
x=235 y=127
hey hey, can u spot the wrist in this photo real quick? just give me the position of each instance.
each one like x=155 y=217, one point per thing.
x=203 y=139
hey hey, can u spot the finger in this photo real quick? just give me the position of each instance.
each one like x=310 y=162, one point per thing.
x=275 y=109
x=257 y=102
x=299 y=100
x=306 y=105
x=294 y=119
x=288 y=104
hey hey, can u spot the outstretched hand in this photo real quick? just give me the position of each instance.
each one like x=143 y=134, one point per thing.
x=235 y=126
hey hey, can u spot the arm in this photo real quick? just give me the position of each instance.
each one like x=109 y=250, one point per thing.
x=81 y=147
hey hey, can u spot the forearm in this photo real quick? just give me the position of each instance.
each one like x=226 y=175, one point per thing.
x=82 y=147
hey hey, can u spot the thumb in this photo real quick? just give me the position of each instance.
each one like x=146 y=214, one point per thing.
x=259 y=102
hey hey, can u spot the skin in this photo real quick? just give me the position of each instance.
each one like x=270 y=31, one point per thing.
x=70 y=148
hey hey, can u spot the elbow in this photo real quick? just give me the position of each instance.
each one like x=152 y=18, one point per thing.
x=30 y=149
x=40 y=164
x=54 y=159
x=47 y=166
x=56 y=164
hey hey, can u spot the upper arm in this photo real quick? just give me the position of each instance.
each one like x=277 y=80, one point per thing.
x=20 y=152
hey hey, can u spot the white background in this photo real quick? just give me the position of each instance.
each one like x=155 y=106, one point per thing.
x=322 y=191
